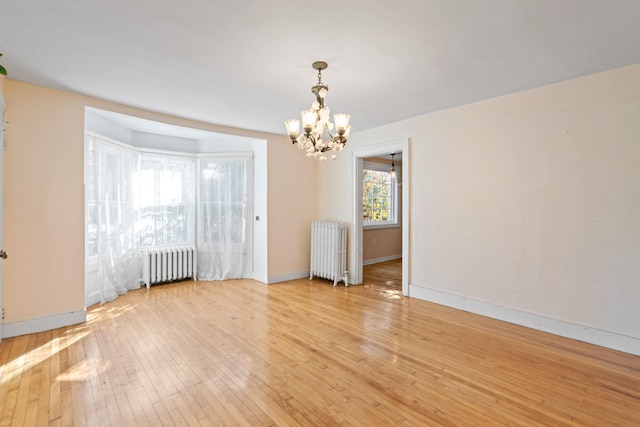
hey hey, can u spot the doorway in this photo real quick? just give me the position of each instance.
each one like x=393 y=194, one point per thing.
x=382 y=221
x=401 y=150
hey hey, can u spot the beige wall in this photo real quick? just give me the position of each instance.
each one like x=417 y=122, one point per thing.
x=43 y=199
x=381 y=243
x=529 y=201
x=292 y=206
x=43 y=203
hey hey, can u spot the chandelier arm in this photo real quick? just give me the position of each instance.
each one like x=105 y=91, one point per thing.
x=326 y=126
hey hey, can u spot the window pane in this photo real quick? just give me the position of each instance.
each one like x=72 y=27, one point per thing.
x=376 y=196
x=165 y=185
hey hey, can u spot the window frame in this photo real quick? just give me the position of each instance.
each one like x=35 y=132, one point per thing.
x=393 y=190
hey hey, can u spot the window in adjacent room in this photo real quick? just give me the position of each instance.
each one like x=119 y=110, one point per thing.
x=379 y=196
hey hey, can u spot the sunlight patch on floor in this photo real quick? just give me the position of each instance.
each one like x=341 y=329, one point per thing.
x=38 y=355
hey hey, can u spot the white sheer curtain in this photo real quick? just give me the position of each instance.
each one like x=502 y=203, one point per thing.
x=137 y=199
x=223 y=217
x=113 y=241
x=134 y=200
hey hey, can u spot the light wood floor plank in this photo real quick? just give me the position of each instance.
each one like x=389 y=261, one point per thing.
x=306 y=353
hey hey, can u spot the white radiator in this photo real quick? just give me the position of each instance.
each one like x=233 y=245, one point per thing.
x=168 y=264
x=329 y=251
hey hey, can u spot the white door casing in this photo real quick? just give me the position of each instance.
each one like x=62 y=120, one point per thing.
x=355 y=235
x=2 y=108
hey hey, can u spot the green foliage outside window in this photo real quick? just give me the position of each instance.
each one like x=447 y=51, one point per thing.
x=3 y=70
x=376 y=196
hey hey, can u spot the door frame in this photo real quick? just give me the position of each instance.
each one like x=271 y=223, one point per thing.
x=3 y=107
x=355 y=235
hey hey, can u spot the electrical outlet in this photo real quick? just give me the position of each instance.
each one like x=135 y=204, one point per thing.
x=2 y=313
x=374 y=241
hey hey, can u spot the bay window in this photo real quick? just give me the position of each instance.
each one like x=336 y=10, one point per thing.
x=138 y=199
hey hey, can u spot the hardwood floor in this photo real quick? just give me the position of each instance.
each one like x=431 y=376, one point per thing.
x=306 y=353
x=387 y=274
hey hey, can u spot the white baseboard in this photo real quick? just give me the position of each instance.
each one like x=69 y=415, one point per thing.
x=562 y=328
x=261 y=277
x=41 y=324
x=300 y=275
x=91 y=299
x=383 y=259
x=288 y=276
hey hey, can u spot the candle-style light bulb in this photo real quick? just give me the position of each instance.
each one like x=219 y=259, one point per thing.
x=293 y=128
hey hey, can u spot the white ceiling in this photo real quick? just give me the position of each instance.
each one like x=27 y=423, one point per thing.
x=247 y=63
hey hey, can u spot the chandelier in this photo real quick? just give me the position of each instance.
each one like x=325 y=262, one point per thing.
x=318 y=138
